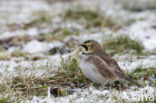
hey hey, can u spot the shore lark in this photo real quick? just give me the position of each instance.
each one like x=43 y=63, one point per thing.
x=99 y=67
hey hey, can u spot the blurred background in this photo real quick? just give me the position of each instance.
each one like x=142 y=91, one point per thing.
x=50 y=24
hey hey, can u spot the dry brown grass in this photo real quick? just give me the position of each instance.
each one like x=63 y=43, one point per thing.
x=26 y=86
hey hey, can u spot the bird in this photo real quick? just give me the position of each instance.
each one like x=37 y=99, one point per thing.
x=99 y=67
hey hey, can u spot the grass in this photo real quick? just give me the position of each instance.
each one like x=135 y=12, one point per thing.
x=40 y=17
x=18 y=53
x=70 y=73
x=17 y=41
x=138 y=5
x=58 y=33
x=4 y=56
x=147 y=74
x=61 y=32
x=89 y=18
x=26 y=86
x=9 y=95
x=122 y=45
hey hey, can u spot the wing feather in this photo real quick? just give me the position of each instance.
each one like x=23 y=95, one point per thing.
x=102 y=66
x=110 y=61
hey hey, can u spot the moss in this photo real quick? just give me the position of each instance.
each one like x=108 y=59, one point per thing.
x=121 y=45
x=89 y=18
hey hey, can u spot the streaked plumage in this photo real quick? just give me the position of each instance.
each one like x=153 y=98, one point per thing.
x=99 y=67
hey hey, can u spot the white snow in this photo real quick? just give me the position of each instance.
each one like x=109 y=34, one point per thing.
x=143 y=31
x=35 y=46
x=30 y=32
x=38 y=67
x=13 y=11
x=100 y=96
x=145 y=63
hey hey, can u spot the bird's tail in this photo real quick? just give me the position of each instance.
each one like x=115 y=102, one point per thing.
x=121 y=75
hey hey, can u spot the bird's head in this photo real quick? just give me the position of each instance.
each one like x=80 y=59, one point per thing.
x=90 y=46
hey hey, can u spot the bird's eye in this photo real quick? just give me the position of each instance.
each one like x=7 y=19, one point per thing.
x=86 y=47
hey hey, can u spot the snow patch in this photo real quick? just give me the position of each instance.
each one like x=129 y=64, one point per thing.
x=35 y=46
x=100 y=96
x=145 y=63
x=30 y=32
x=143 y=31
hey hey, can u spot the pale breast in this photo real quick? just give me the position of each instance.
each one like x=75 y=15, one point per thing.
x=91 y=72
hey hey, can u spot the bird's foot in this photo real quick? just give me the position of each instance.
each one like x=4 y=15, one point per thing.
x=97 y=86
x=118 y=85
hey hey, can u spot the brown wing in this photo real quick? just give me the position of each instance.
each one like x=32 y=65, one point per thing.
x=110 y=61
x=102 y=66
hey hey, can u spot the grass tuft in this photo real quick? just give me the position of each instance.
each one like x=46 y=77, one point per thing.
x=122 y=44
x=137 y=5
x=68 y=75
x=42 y=17
x=144 y=74
x=89 y=18
x=58 y=33
x=61 y=32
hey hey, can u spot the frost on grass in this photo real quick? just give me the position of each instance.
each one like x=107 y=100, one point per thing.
x=138 y=5
x=147 y=74
x=122 y=44
x=94 y=95
x=91 y=94
x=30 y=30
x=34 y=80
x=90 y=18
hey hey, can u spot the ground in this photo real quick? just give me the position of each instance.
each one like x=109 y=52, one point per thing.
x=38 y=40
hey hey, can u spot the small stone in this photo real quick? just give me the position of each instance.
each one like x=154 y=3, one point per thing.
x=54 y=91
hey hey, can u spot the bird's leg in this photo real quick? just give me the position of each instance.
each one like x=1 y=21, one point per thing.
x=119 y=85
x=116 y=84
x=108 y=85
x=97 y=86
